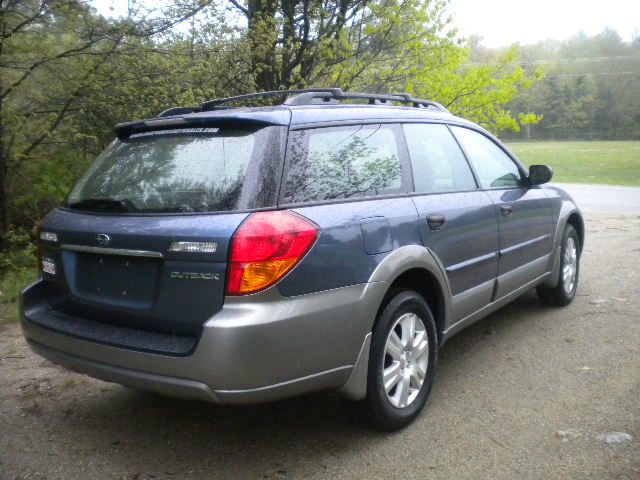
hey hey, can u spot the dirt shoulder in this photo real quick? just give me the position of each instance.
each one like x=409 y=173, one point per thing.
x=524 y=393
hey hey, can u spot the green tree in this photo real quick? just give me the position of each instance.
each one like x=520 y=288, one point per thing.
x=381 y=46
x=57 y=60
x=590 y=88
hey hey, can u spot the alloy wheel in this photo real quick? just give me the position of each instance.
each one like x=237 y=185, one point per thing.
x=406 y=358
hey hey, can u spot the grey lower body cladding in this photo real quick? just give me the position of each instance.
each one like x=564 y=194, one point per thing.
x=257 y=348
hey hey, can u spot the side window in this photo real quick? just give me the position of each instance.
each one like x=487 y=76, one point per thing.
x=494 y=167
x=343 y=162
x=436 y=160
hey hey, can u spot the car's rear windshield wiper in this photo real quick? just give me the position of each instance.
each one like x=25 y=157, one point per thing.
x=102 y=204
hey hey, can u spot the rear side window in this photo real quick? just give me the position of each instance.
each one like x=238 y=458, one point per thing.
x=495 y=168
x=437 y=162
x=189 y=170
x=343 y=162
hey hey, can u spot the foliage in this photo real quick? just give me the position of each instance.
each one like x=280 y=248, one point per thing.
x=480 y=93
x=590 y=89
x=382 y=46
x=17 y=264
x=13 y=282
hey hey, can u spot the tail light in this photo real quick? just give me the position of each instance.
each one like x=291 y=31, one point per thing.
x=266 y=247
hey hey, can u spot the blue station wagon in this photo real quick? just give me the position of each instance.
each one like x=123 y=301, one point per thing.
x=333 y=242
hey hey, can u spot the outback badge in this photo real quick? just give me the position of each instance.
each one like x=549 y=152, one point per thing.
x=195 y=276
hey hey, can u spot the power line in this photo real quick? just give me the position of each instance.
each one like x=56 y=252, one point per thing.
x=545 y=61
x=548 y=61
x=594 y=74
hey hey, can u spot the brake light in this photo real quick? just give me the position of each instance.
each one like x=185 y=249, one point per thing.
x=266 y=247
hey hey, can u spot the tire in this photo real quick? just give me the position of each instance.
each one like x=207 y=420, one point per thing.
x=391 y=408
x=565 y=290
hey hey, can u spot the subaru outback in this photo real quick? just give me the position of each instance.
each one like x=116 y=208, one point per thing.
x=333 y=242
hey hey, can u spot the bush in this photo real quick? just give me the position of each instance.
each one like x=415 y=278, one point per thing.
x=13 y=282
x=17 y=264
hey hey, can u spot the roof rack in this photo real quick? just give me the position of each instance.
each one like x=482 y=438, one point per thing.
x=334 y=95
x=316 y=96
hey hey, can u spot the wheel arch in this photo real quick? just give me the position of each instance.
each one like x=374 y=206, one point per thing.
x=576 y=221
x=415 y=268
x=569 y=215
x=427 y=285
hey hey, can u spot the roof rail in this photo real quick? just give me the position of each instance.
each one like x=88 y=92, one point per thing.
x=313 y=97
x=212 y=104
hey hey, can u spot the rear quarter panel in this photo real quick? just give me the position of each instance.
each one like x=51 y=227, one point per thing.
x=339 y=257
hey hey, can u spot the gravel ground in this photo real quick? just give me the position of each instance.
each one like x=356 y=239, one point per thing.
x=529 y=392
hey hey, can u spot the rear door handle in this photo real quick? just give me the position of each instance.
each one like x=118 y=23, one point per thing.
x=436 y=221
x=507 y=210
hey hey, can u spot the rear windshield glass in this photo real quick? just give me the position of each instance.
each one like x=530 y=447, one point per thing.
x=194 y=170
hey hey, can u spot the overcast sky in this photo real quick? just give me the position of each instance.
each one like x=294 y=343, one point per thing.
x=503 y=22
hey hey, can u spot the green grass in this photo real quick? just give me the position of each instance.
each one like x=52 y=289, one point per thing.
x=612 y=163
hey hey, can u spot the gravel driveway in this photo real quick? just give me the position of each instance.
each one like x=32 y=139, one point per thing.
x=526 y=393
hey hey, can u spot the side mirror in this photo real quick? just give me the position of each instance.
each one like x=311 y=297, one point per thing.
x=539 y=174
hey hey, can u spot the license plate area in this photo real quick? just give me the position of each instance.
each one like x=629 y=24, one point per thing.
x=116 y=279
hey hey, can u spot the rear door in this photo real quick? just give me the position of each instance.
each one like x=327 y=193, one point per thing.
x=457 y=221
x=524 y=212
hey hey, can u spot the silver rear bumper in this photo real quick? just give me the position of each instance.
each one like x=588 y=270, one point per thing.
x=258 y=348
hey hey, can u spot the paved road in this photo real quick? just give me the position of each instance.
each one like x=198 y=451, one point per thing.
x=604 y=198
x=523 y=394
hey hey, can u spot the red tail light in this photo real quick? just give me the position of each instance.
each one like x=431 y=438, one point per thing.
x=266 y=247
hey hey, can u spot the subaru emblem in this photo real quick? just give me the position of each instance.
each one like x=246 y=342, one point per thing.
x=103 y=239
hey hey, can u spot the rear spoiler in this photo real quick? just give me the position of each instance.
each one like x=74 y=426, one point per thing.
x=233 y=119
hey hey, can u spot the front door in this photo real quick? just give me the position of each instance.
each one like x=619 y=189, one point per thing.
x=524 y=212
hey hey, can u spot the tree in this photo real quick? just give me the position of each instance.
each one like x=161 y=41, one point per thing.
x=54 y=57
x=381 y=46
x=589 y=90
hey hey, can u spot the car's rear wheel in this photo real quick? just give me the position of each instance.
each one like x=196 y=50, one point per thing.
x=402 y=362
x=565 y=290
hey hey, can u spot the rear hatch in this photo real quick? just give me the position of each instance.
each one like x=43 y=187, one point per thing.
x=143 y=238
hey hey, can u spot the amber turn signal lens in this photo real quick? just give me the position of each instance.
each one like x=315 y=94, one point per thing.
x=256 y=275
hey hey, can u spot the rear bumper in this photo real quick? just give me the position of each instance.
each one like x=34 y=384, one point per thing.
x=256 y=349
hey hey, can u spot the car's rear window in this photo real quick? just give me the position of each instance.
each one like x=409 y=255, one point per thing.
x=343 y=162
x=190 y=170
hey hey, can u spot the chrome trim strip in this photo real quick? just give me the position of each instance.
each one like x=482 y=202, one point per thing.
x=524 y=244
x=472 y=261
x=111 y=251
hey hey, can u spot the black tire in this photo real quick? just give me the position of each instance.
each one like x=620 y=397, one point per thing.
x=559 y=296
x=377 y=410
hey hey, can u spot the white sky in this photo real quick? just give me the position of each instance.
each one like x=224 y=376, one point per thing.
x=503 y=22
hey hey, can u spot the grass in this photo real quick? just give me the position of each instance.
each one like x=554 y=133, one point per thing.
x=8 y=312
x=612 y=163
